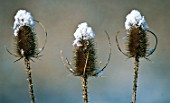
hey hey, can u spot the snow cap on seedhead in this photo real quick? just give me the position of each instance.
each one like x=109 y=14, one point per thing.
x=23 y=18
x=134 y=18
x=83 y=32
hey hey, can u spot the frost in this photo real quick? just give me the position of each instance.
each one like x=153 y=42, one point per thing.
x=83 y=32
x=135 y=19
x=22 y=18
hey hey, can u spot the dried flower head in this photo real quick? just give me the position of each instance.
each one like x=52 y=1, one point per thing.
x=84 y=53
x=25 y=36
x=137 y=42
x=137 y=39
x=137 y=31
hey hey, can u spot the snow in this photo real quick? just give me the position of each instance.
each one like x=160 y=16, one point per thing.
x=135 y=19
x=22 y=18
x=83 y=32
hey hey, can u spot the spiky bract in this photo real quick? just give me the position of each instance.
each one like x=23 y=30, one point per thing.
x=85 y=58
x=26 y=42
x=137 y=42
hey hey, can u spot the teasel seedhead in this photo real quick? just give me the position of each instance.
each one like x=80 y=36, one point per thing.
x=26 y=42
x=137 y=36
x=137 y=42
x=25 y=37
x=84 y=53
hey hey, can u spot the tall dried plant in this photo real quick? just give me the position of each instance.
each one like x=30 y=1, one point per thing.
x=26 y=43
x=137 y=43
x=84 y=56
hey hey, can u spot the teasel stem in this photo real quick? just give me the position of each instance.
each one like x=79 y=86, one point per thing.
x=84 y=86
x=136 y=68
x=29 y=79
x=84 y=81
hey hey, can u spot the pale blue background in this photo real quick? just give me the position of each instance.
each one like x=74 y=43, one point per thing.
x=53 y=83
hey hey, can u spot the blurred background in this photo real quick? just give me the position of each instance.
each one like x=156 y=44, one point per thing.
x=53 y=83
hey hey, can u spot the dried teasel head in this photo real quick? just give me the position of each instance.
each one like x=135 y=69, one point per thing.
x=137 y=42
x=25 y=37
x=84 y=53
x=137 y=31
x=85 y=58
x=26 y=42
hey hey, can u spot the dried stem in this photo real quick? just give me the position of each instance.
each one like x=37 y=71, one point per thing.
x=29 y=79
x=135 y=79
x=84 y=86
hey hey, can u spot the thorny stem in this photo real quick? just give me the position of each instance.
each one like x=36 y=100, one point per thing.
x=84 y=86
x=29 y=79
x=135 y=79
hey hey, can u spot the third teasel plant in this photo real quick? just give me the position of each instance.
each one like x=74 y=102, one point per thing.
x=84 y=56
x=137 y=32
x=26 y=43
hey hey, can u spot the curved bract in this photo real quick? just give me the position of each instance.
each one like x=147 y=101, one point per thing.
x=147 y=54
x=152 y=50
x=26 y=43
x=83 y=56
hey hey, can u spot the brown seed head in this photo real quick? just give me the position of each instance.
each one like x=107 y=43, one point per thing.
x=85 y=58
x=26 y=42
x=137 y=42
